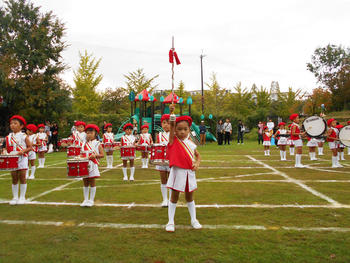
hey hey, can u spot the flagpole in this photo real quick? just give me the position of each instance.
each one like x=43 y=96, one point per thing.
x=172 y=73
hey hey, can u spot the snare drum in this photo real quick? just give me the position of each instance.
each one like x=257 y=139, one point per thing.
x=143 y=148
x=344 y=135
x=73 y=151
x=8 y=162
x=314 y=126
x=127 y=152
x=77 y=168
x=108 y=146
x=159 y=154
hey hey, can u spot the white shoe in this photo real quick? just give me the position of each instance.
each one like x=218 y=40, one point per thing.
x=90 y=203
x=165 y=203
x=21 y=201
x=196 y=225
x=170 y=228
x=14 y=201
x=334 y=166
x=342 y=159
x=339 y=165
x=84 y=203
x=31 y=177
x=299 y=166
x=125 y=178
x=131 y=178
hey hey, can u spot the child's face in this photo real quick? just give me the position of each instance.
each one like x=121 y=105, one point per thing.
x=165 y=125
x=15 y=125
x=80 y=128
x=41 y=129
x=128 y=131
x=109 y=129
x=182 y=130
x=90 y=135
x=334 y=123
x=144 y=130
x=29 y=132
x=296 y=120
x=282 y=127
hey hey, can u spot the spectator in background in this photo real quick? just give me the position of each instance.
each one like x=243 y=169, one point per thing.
x=220 y=132
x=202 y=132
x=260 y=132
x=228 y=131
x=103 y=129
x=47 y=130
x=54 y=136
x=240 y=132
x=270 y=125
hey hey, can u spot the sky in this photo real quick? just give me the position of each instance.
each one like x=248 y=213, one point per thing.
x=250 y=41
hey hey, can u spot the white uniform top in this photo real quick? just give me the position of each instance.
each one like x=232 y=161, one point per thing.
x=93 y=167
x=18 y=142
x=282 y=140
x=32 y=139
x=80 y=137
x=42 y=136
x=128 y=140
x=145 y=138
x=109 y=136
x=163 y=138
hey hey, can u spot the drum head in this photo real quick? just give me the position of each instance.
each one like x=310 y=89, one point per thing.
x=314 y=126
x=344 y=135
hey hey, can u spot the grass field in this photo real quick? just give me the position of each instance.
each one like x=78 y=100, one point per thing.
x=253 y=208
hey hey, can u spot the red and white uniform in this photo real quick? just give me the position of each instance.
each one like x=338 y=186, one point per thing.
x=333 y=144
x=128 y=140
x=163 y=138
x=296 y=138
x=145 y=139
x=267 y=139
x=108 y=140
x=16 y=142
x=79 y=138
x=181 y=158
x=89 y=148
x=43 y=144
x=312 y=142
x=32 y=154
x=281 y=140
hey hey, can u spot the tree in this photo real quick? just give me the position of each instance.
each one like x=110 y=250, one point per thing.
x=86 y=99
x=314 y=101
x=115 y=101
x=31 y=61
x=137 y=81
x=331 y=65
x=214 y=97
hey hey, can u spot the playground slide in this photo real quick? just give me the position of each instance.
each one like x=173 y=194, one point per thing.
x=209 y=136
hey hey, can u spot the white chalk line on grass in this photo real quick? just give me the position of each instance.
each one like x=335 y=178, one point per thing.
x=199 y=206
x=299 y=183
x=326 y=169
x=159 y=226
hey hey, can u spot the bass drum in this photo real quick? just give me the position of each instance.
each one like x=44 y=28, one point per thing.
x=344 y=135
x=314 y=126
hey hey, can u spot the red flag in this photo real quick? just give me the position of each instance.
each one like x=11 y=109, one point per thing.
x=177 y=59
x=171 y=56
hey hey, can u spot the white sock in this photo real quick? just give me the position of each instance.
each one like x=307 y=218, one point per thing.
x=125 y=173
x=284 y=155
x=268 y=152
x=164 y=191
x=342 y=155
x=298 y=159
x=321 y=149
x=15 y=191
x=338 y=156
x=43 y=162
x=111 y=160
x=86 y=193
x=291 y=150
x=314 y=155
x=334 y=160
x=171 y=212
x=281 y=153
x=27 y=173
x=132 y=172
x=348 y=150
x=147 y=161
x=192 y=209
x=33 y=171
x=265 y=152
x=39 y=160
x=23 y=189
x=92 y=193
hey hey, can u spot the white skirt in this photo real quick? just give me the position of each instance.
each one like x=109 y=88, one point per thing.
x=267 y=143
x=93 y=170
x=333 y=145
x=312 y=143
x=42 y=149
x=31 y=155
x=282 y=141
x=182 y=180
x=298 y=143
x=290 y=142
x=22 y=163
x=163 y=168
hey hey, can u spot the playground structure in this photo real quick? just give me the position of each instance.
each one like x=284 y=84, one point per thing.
x=143 y=112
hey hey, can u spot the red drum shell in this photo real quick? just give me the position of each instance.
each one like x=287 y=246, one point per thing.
x=127 y=151
x=159 y=154
x=8 y=162
x=77 y=168
x=73 y=151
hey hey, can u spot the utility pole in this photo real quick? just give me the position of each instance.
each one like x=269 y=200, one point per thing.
x=202 y=88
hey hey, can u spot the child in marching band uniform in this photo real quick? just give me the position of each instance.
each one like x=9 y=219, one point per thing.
x=312 y=144
x=145 y=140
x=267 y=140
x=31 y=132
x=42 y=145
x=79 y=136
x=340 y=146
x=332 y=138
x=128 y=140
x=93 y=150
x=282 y=140
x=163 y=138
x=184 y=160
x=17 y=143
x=290 y=142
x=295 y=136
x=108 y=138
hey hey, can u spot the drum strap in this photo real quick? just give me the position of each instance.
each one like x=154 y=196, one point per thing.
x=128 y=142
x=91 y=150
x=187 y=149
x=164 y=139
x=18 y=146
